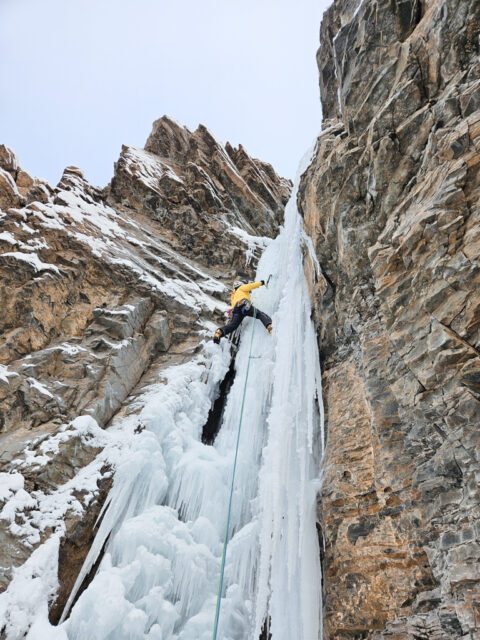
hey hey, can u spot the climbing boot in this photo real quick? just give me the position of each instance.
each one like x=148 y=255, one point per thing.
x=269 y=328
x=217 y=336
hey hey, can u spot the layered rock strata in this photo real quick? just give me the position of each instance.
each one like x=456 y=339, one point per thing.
x=100 y=290
x=212 y=190
x=392 y=202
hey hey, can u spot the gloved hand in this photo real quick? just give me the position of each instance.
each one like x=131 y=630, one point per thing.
x=262 y=281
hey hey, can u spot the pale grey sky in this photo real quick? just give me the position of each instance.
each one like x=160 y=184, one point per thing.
x=79 y=78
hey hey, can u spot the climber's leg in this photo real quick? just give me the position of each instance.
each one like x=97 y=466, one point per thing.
x=263 y=317
x=229 y=327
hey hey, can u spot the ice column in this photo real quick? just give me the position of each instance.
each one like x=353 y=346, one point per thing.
x=288 y=591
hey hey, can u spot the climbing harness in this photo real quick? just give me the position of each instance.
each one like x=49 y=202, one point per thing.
x=227 y=528
x=243 y=305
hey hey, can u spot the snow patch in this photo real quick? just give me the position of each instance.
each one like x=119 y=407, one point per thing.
x=10 y=483
x=6 y=236
x=41 y=388
x=34 y=260
x=5 y=373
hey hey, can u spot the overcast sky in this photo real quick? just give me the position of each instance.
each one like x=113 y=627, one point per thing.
x=79 y=78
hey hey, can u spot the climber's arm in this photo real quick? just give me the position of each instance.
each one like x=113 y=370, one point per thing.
x=251 y=285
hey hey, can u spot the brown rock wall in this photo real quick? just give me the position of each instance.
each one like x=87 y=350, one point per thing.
x=207 y=185
x=391 y=201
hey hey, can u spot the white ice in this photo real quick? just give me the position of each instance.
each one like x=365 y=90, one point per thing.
x=254 y=244
x=163 y=525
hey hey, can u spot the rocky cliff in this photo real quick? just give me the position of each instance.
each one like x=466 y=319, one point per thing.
x=101 y=290
x=391 y=200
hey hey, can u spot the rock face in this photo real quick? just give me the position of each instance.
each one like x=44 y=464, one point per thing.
x=17 y=187
x=392 y=202
x=211 y=189
x=101 y=290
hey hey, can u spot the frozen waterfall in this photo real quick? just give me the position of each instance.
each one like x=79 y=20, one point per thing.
x=163 y=525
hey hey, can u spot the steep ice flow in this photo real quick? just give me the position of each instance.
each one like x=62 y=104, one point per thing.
x=162 y=528
x=273 y=556
x=288 y=589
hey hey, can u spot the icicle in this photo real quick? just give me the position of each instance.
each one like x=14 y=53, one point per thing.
x=288 y=588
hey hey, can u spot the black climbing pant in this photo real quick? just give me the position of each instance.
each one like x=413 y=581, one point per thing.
x=239 y=313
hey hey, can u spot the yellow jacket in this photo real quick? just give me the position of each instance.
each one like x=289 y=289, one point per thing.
x=243 y=292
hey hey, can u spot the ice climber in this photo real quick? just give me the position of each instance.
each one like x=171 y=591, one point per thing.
x=241 y=307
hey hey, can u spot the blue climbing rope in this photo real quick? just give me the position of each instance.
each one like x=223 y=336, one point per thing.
x=227 y=528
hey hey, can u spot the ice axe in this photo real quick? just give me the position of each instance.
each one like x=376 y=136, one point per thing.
x=268 y=280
